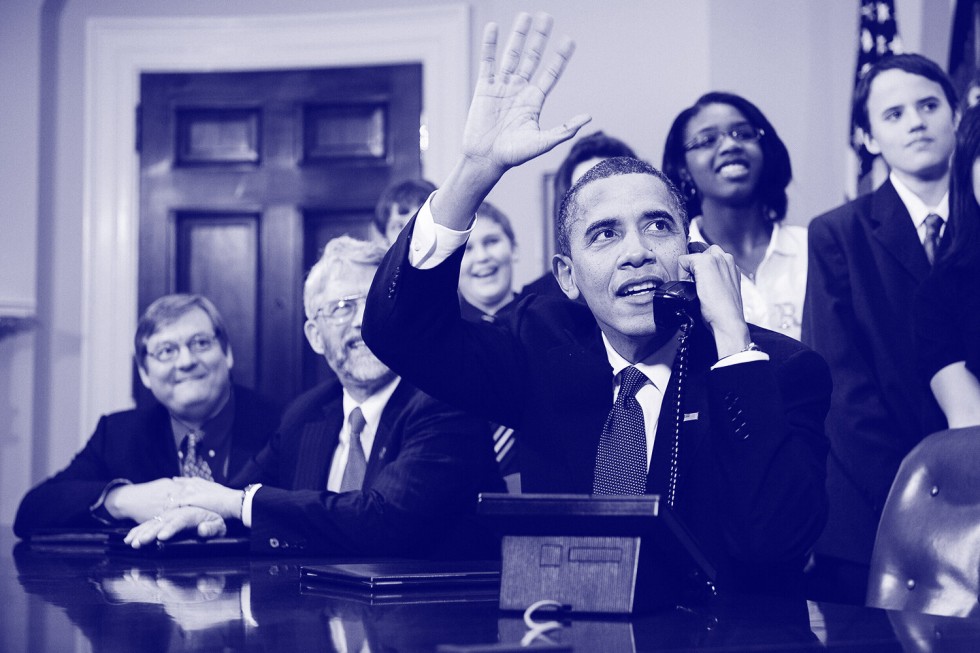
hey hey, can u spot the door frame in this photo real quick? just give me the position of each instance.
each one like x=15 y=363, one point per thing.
x=118 y=50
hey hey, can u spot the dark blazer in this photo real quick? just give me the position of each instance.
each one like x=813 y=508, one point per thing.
x=426 y=468
x=866 y=262
x=136 y=445
x=752 y=452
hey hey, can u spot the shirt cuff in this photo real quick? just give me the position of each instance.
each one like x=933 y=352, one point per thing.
x=247 y=504
x=750 y=356
x=98 y=508
x=433 y=243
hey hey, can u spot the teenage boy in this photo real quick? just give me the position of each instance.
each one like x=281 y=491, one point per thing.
x=867 y=257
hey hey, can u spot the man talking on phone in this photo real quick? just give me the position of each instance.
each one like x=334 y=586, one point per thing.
x=724 y=420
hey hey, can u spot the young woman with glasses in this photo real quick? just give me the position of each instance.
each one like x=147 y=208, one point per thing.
x=733 y=169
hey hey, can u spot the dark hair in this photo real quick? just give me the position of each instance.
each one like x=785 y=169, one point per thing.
x=169 y=309
x=962 y=235
x=495 y=215
x=620 y=165
x=407 y=195
x=776 y=169
x=914 y=64
x=594 y=146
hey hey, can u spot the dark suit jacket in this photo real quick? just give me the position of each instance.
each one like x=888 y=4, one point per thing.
x=426 y=468
x=866 y=262
x=752 y=461
x=137 y=445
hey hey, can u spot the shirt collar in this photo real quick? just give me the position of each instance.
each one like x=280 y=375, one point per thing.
x=213 y=431
x=914 y=204
x=373 y=406
x=656 y=367
x=779 y=243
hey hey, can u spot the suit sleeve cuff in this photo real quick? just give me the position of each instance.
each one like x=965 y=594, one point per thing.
x=247 y=503
x=433 y=243
x=98 y=508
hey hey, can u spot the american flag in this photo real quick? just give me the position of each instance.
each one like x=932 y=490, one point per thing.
x=877 y=38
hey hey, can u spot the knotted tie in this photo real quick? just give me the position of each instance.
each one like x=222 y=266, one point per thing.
x=356 y=464
x=934 y=224
x=192 y=465
x=621 y=463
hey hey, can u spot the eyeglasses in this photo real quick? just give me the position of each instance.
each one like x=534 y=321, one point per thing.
x=169 y=351
x=709 y=138
x=342 y=310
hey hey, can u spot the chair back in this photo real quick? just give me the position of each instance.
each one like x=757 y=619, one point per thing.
x=927 y=551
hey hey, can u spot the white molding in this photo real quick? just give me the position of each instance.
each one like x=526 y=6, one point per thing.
x=119 y=49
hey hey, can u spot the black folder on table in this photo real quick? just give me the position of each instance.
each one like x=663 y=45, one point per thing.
x=405 y=580
x=70 y=540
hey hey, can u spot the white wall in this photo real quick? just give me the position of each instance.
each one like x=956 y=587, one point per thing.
x=638 y=62
x=19 y=108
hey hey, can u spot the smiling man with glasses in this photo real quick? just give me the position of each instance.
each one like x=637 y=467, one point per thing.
x=200 y=424
x=362 y=464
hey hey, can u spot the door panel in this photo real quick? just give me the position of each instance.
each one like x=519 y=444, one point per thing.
x=216 y=257
x=245 y=176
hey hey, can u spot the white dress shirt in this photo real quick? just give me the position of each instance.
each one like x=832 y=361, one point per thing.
x=918 y=210
x=372 y=408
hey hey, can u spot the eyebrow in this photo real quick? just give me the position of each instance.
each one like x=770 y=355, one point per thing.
x=599 y=225
x=653 y=215
x=917 y=101
x=715 y=128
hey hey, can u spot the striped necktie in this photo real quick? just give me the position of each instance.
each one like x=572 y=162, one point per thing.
x=934 y=225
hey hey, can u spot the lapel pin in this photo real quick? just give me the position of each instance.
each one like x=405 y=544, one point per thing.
x=690 y=417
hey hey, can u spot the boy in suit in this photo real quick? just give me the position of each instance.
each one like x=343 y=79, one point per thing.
x=867 y=258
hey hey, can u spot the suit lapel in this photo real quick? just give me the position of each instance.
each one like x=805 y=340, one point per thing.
x=317 y=443
x=582 y=383
x=892 y=227
x=694 y=413
x=160 y=439
x=385 y=445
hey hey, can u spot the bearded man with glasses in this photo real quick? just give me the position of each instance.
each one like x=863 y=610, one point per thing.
x=200 y=424
x=363 y=464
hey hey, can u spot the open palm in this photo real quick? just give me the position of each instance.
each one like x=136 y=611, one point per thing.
x=502 y=127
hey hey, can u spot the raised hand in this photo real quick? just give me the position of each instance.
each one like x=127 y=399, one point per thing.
x=502 y=127
x=717 y=279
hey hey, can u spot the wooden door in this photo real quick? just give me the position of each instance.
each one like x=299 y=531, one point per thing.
x=245 y=176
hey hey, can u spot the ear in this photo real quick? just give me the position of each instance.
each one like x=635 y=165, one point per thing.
x=870 y=144
x=230 y=357
x=312 y=332
x=684 y=174
x=561 y=265
x=144 y=377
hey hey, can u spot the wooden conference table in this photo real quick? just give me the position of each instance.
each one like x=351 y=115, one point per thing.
x=77 y=600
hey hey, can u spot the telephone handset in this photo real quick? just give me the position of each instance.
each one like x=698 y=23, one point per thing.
x=675 y=302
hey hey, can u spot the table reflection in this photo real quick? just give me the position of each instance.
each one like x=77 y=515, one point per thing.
x=241 y=604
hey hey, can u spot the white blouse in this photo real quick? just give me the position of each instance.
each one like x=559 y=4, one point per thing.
x=774 y=298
